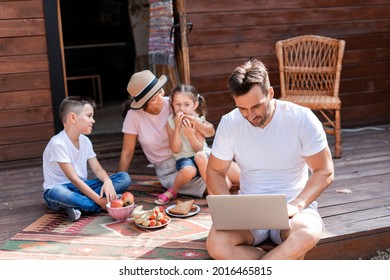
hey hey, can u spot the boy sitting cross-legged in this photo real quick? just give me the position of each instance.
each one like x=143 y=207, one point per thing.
x=65 y=160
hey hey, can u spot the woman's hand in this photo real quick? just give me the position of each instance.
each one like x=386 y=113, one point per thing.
x=188 y=128
x=190 y=119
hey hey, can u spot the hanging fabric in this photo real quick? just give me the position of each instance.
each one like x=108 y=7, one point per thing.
x=161 y=46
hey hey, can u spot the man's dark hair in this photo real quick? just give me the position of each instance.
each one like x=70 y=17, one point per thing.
x=244 y=77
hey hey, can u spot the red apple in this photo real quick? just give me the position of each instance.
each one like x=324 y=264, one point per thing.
x=116 y=203
x=127 y=198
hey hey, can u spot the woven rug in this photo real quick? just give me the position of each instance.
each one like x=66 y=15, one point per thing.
x=99 y=237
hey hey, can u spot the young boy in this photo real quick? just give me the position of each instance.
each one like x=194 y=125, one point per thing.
x=65 y=165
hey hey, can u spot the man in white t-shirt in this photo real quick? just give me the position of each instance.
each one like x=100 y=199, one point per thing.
x=275 y=144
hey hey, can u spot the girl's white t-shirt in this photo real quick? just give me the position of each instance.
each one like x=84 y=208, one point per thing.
x=151 y=132
x=61 y=149
x=271 y=159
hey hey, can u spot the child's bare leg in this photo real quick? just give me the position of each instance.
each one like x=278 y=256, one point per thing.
x=233 y=175
x=201 y=161
x=184 y=176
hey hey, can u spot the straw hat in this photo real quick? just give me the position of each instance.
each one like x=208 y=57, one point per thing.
x=143 y=86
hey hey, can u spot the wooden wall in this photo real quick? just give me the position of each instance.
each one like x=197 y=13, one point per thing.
x=26 y=117
x=224 y=34
x=227 y=32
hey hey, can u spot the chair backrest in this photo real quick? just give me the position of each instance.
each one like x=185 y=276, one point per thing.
x=310 y=65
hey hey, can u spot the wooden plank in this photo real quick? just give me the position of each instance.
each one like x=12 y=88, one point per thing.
x=25 y=216
x=262 y=17
x=332 y=199
x=23 y=45
x=364 y=84
x=361 y=98
x=205 y=6
x=24 y=64
x=367 y=41
x=350 y=182
x=352 y=162
x=224 y=67
x=267 y=48
x=22 y=28
x=24 y=134
x=22 y=151
x=21 y=9
x=367 y=55
x=16 y=166
x=231 y=50
x=27 y=81
x=373 y=112
x=279 y=32
x=371 y=69
x=362 y=166
x=342 y=225
x=25 y=99
x=344 y=207
x=350 y=247
x=26 y=199
x=26 y=116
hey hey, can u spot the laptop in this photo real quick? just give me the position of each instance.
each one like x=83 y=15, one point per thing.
x=248 y=211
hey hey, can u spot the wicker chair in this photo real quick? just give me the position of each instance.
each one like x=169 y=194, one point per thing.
x=309 y=68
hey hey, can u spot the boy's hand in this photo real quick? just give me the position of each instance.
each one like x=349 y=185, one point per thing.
x=108 y=190
x=102 y=203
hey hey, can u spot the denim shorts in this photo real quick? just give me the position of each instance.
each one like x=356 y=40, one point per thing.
x=183 y=162
x=262 y=235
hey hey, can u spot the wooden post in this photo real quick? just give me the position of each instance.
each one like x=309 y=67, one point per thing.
x=184 y=63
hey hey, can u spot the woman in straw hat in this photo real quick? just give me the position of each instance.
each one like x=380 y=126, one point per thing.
x=146 y=115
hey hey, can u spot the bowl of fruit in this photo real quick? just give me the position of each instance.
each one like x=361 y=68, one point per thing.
x=122 y=207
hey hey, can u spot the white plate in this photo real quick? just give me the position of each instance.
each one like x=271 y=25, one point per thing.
x=192 y=213
x=155 y=227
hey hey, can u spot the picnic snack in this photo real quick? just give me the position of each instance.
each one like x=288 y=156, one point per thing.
x=182 y=207
x=150 y=218
x=193 y=208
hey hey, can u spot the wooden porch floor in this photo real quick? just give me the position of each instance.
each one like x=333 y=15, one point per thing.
x=357 y=223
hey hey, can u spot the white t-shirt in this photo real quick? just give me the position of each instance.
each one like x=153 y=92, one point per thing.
x=271 y=159
x=61 y=149
x=151 y=131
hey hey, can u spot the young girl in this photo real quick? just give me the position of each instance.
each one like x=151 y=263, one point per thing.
x=187 y=144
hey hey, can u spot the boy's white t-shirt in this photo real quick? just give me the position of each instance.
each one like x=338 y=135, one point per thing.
x=151 y=131
x=61 y=149
x=271 y=159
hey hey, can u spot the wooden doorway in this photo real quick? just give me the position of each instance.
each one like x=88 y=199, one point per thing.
x=98 y=42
